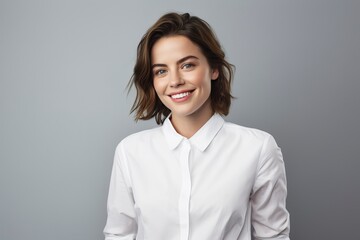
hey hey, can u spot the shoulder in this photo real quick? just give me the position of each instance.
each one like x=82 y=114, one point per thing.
x=254 y=138
x=233 y=130
x=139 y=139
x=260 y=141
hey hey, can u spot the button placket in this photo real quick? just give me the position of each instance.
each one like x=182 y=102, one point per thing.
x=184 y=201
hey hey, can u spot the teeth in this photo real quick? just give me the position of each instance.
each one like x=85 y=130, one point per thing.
x=180 y=95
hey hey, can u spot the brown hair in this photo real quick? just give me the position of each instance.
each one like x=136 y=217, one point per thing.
x=147 y=104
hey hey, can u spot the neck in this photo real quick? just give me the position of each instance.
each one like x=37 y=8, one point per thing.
x=187 y=126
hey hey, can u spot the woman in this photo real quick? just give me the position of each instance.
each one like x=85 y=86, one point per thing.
x=196 y=176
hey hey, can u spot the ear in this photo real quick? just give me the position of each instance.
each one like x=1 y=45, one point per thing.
x=214 y=74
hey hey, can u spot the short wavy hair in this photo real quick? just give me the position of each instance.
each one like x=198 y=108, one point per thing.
x=147 y=104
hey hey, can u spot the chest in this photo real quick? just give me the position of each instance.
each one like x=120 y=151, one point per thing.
x=219 y=182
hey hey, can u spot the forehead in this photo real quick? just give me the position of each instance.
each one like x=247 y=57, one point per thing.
x=173 y=48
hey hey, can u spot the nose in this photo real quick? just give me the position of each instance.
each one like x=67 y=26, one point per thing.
x=175 y=79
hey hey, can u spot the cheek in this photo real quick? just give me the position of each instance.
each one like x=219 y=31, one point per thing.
x=204 y=80
x=200 y=78
x=156 y=85
x=159 y=86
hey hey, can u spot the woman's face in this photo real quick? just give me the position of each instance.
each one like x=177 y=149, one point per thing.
x=182 y=76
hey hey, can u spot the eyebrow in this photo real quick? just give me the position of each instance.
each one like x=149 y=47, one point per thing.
x=177 y=62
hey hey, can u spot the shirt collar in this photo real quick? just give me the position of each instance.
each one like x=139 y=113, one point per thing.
x=201 y=139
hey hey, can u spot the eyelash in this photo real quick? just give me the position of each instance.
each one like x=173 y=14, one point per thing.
x=158 y=72
x=184 y=66
x=190 y=65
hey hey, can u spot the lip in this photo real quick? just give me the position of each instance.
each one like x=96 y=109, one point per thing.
x=183 y=99
x=183 y=91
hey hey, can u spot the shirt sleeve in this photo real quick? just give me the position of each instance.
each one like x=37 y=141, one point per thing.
x=121 y=217
x=269 y=218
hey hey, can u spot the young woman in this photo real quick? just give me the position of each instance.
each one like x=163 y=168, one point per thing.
x=196 y=176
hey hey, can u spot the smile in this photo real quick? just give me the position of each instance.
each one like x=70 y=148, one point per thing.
x=180 y=95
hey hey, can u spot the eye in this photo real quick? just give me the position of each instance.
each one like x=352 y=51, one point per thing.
x=187 y=66
x=160 y=72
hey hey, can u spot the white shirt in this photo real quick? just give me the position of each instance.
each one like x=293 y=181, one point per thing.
x=226 y=182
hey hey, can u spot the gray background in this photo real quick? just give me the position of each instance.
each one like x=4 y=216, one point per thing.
x=64 y=66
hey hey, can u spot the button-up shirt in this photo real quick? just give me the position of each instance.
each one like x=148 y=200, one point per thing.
x=226 y=182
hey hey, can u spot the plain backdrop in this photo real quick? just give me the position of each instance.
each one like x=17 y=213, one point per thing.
x=64 y=66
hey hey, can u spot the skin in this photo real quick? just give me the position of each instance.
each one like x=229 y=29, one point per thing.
x=182 y=81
